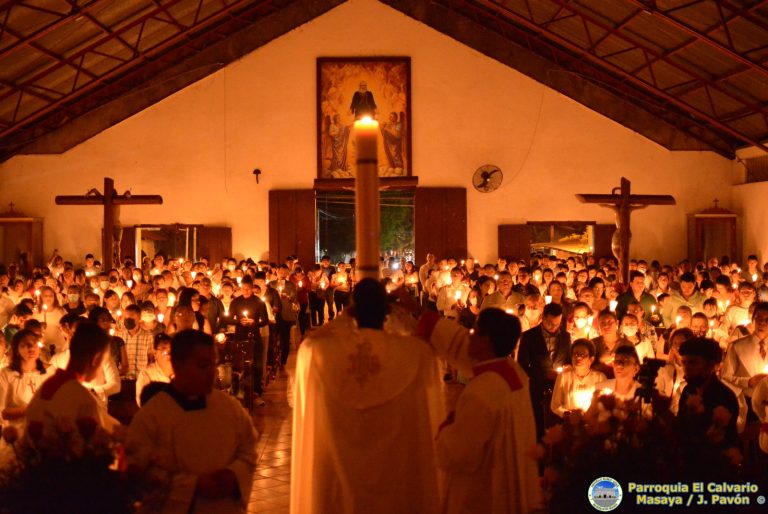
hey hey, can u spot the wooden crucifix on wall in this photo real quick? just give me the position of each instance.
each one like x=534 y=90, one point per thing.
x=623 y=203
x=111 y=201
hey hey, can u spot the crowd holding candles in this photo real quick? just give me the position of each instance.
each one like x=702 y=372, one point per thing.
x=585 y=333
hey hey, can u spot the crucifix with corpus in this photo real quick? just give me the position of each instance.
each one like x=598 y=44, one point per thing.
x=111 y=201
x=623 y=203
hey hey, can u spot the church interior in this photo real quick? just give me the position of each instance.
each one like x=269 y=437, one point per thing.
x=217 y=129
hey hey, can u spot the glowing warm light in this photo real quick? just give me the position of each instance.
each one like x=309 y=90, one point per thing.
x=45 y=307
x=263 y=298
x=735 y=286
x=547 y=299
x=111 y=331
x=39 y=344
x=226 y=311
x=342 y=280
x=711 y=323
x=300 y=283
x=471 y=330
x=583 y=398
x=245 y=314
x=239 y=279
x=171 y=299
x=559 y=369
x=462 y=262
x=194 y=274
x=457 y=295
x=590 y=320
x=606 y=391
x=613 y=305
x=678 y=320
x=279 y=289
x=209 y=273
x=129 y=283
x=37 y=292
x=765 y=369
x=119 y=313
x=220 y=337
x=509 y=311
x=754 y=277
x=496 y=277
x=653 y=309
x=160 y=318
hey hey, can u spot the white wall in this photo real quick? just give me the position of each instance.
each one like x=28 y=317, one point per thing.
x=198 y=147
x=750 y=203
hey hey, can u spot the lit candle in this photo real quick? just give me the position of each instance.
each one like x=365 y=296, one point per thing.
x=209 y=273
x=160 y=317
x=735 y=286
x=226 y=311
x=471 y=331
x=171 y=299
x=496 y=277
x=583 y=398
x=765 y=369
x=300 y=283
x=559 y=369
x=263 y=298
x=245 y=314
x=678 y=319
x=280 y=289
x=509 y=311
x=754 y=277
x=45 y=313
x=606 y=391
x=727 y=303
x=547 y=299
x=220 y=337
x=457 y=295
x=590 y=320
x=129 y=283
x=653 y=309
x=239 y=279
x=181 y=261
x=342 y=279
x=194 y=274
x=111 y=331
x=367 y=226
x=462 y=262
x=37 y=293
x=613 y=305
x=40 y=344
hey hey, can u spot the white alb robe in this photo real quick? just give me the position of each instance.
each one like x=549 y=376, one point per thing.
x=196 y=441
x=484 y=450
x=367 y=405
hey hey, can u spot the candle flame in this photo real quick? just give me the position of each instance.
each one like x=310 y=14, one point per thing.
x=111 y=331
x=509 y=311
x=119 y=313
x=45 y=307
x=245 y=314
x=583 y=398
x=37 y=292
x=547 y=299
x=220 y=337
x=160 y=318
x=606 y=391
x=559 y=369
x=458 y=295
x=678 y=319
x=613 y=305
x=39 y=344
x=754 y=277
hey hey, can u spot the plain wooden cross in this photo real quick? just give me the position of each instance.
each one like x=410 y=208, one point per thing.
x=623 y=203
x=111 y=202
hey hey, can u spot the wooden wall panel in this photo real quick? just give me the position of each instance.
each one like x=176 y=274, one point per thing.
x=603 y=234
x=128 y=245
x=440 y=222
x=515 y=242
x=292 y=225
x=215 y=243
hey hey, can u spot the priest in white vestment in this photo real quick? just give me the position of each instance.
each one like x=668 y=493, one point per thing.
x=203 y=435
x=62 y=398
x=483 y=446
x=367 y=405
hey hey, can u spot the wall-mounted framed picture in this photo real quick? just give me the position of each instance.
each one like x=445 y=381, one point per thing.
x=349 y=88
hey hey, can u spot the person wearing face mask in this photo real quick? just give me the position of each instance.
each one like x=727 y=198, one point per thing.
x=543 y=349
x=74 y=303
x=629 y=330
x=575 y=384
x=468 y=316
x=149 y=319
x=532 y=312
x=582 y=327
x=138 y=341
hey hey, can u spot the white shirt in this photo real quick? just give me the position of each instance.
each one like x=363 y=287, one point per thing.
x=106 y=383
x=17 y=390
x=572 y=392
x=151 y=373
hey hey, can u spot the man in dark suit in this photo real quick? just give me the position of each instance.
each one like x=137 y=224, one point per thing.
x=362 y=102
x=542 y=350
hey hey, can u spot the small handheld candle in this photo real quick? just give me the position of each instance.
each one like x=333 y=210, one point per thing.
x=559 y=369
x=765 y=369
x=129 y=283
x=160 y=318
x=220 y=337
x=457 y=296
x=226 y=311
x=509 y=311
x=678 y=320
x=754 y=277
x=613 y=304
x=245 y=314
x=547 y=299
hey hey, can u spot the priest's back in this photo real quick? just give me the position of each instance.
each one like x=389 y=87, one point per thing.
x=367 y=406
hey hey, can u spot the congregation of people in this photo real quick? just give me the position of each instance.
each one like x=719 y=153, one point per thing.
x=532 y=340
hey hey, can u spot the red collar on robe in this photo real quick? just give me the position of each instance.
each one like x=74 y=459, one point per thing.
x=502 y=368
x=53 y=384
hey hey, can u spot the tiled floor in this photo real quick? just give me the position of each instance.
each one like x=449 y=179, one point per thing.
x=271 y=487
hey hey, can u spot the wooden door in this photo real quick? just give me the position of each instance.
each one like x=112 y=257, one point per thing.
x=515 y=242
x=602 y=244
x=292 y=225
x=128 y=246
x=214 y=243
x=440 y=222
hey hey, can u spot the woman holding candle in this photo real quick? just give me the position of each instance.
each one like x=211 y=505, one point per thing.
x=189 y=297
x=626 y=365
x=303 y=288
x=49 y=314
x=21 y=379
x=340 y=285
x=608 y=342
x=576 y=384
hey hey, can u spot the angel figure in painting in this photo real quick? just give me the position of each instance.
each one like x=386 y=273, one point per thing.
x=337 y=135
x=393 y=131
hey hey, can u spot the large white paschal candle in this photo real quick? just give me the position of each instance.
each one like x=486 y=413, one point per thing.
x=367 y=199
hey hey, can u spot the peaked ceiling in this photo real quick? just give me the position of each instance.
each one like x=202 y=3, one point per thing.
x=688 y=74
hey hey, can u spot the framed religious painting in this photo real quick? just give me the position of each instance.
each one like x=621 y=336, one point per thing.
x=351 y=88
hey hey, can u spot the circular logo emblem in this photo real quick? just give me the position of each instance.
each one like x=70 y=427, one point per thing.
x=605 y=494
